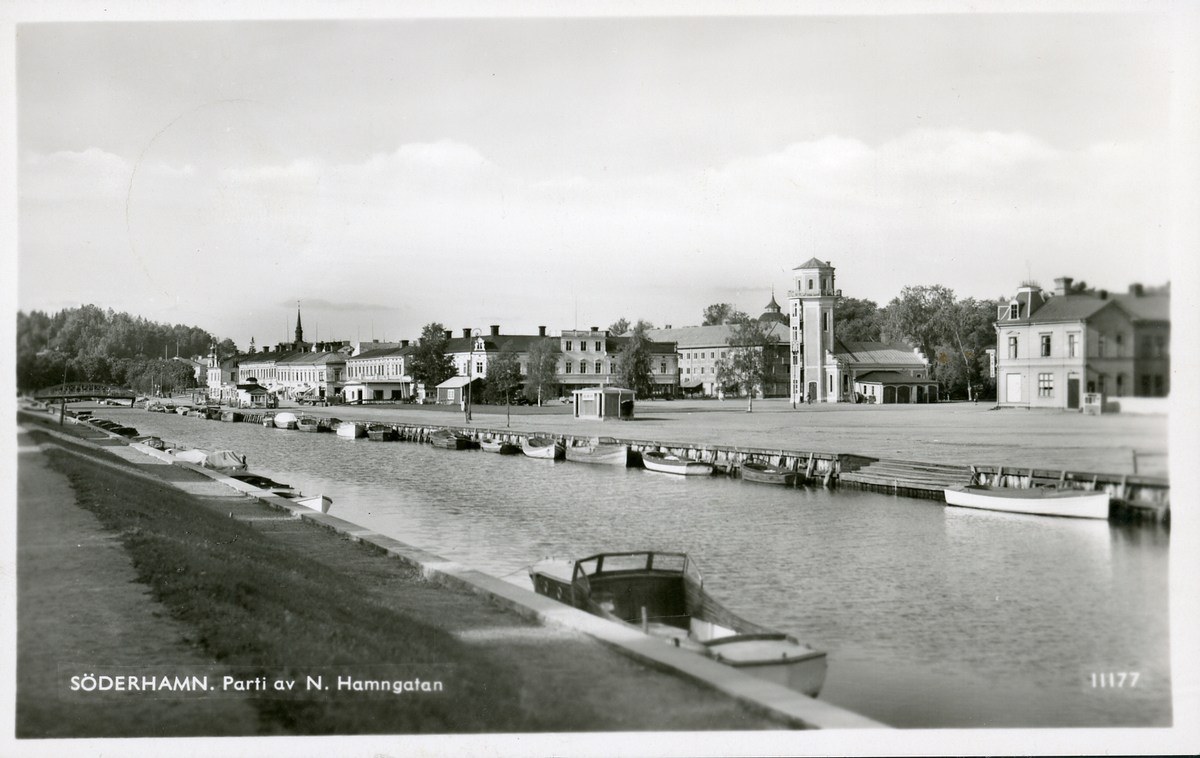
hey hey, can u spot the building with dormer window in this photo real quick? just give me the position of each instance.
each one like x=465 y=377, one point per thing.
x=1052 y=348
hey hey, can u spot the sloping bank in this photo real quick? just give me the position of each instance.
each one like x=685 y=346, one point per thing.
x=278 y=598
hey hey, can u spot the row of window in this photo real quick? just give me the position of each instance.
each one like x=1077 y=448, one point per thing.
x=568 y=346
x=1152 y=347
x=1152 y=385
x=569 y=367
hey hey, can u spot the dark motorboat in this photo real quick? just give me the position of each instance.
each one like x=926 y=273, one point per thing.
x=663 y=595
x=230 y=416
x=448 y=440
x=765 y=473
x=264 y=483
x=381 y=432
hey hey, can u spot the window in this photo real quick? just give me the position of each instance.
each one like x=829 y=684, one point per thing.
x=1145 y=385
x=1158 y=347
x=1120 y=339
x=583 y=346
x=664 y=367
x=1147 y=351
x=1120 y=382
x=568 y=345
x=825 y=321
x=583 y=367
x=1045 y=345
x=795 y=309
x=568 y=368
x=1014 y=311
x=1012 y=347
x=1101 y=345
x=810 y=284
x=701 y=369
x=687 y=371
x=479 y=367
x=1072 y=345
x=712 y=355
x=598 y=371
x=599 y=348
x=795 y=359
x=795 y=334
x=1045 y=385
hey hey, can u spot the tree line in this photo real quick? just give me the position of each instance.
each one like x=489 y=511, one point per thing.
x=88 y=344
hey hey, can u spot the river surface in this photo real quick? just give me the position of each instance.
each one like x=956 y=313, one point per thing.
x=932 y=616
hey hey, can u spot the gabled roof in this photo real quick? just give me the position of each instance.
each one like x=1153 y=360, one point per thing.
x=688 y=337
x=457 y=381
x=1146 y=307
x=494 y=344
x=311 y=358
x=813 y=263
x=381 y=352
x=883 y=353
x=1064 y=308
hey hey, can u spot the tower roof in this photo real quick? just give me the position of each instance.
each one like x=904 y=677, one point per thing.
x=813 y=263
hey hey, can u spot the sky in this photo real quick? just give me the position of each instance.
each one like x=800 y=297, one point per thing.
x=566 y=171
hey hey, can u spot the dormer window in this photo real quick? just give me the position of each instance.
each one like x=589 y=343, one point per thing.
x=1014 y=311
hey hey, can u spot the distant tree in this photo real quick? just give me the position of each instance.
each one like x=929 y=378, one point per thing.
x=967 y=330
x=913 y=317
x=857 y=320
x=226 y=348
x=634 y=370
x=431 y=365
x=618 y=327
x=503 y=375
x=724 y=313
x=746 y=364
x=541 y=379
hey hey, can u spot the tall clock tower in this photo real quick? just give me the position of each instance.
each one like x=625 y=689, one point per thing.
x=811 y=313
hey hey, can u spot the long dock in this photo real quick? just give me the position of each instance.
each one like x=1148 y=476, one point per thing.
x=1133 y=497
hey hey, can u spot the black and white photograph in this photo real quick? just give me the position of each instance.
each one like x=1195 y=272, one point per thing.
x=534 y=378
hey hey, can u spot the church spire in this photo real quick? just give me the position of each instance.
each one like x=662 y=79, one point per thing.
x=299 y=329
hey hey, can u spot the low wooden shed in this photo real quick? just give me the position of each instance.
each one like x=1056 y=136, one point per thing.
x=603 y=402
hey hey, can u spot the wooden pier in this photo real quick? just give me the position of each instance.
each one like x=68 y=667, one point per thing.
x=1134 y=498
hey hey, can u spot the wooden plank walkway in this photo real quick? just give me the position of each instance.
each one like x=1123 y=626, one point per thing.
x=908 y=478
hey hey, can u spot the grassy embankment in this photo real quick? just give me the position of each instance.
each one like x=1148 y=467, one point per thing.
x=256 y=604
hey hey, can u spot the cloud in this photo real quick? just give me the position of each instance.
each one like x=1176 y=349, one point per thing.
x=340 y=307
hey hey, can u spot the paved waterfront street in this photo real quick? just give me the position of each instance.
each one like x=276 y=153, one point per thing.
x=956 y=433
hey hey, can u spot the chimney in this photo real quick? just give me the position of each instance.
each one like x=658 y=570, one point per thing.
x=541 y=331
x=1062 y=285
x=1136 y=290
x=467 y=334
x=668 y=326
x=495 y=330
x=449 y=334
x=595 y=328
x=1103 y=294
x=403 y=343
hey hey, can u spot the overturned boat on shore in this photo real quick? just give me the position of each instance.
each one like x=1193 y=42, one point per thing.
x=662 y=594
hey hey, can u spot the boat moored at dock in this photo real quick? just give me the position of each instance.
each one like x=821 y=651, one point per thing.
x=285 y=420
x=448 y=440
x=381 y=433
x=308 y=424
x=352 y=429
x=497 y=445
x=672 y=464
x=765 y=473
x=543 y=446
x=602 y=450
x=663 y=595
x=1038 y=501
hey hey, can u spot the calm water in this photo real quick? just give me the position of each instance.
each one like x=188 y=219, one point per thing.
x=932 y=616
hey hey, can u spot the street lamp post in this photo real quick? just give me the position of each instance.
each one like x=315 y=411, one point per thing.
x=470 y=365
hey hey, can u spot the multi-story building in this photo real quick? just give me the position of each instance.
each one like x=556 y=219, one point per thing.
x=381 y=374
x=699 y=350
x=825 y=369
x=1050 y=348
x=589 y=359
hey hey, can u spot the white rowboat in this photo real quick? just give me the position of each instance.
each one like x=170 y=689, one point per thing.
x=1040 y=501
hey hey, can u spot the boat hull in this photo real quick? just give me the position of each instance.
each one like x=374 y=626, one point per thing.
x=766 y=474
x=448 y=441
x=1038 y=502
x=604 y=455
x=498 y=446
x=381 y=434
x=286 y=421
x=352 y=430
x=546 y=448
x=319 y=503
x=670 y=464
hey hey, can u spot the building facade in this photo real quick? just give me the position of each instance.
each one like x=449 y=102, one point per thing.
x=700 y=349
x=1051 y=348
x=381 y=374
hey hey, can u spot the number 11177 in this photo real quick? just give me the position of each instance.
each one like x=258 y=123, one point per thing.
x=1115 y=679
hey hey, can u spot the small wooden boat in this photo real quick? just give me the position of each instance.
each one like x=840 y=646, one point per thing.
x=448 y=440
x=319 y=503
x=765 y=473
x=493 y=445
x=352 y=429
x=189 y=455
x=268 y=419
x=381 y=432
x=308 y=424
x=225 y=461
x=231 y=416
x=663 y=595
x=672 y=464
x=327 y=424
x=264 y=483
x=1040 y=501
x=543 y=446
x=285 y=420
x=606 y=453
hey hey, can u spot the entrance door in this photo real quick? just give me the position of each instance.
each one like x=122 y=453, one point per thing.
x=1073 y=392
x=812 y=392
x=903 y=395
x=1012 y=388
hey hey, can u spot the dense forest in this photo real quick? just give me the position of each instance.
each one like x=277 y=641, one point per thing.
x=87 y=344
